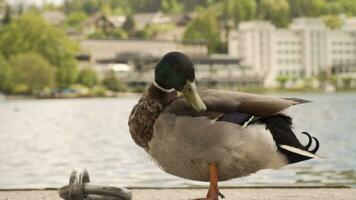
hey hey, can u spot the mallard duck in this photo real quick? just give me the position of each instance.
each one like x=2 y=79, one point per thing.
x=213 y=135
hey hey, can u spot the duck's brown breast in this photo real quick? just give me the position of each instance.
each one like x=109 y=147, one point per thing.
x=141 y=120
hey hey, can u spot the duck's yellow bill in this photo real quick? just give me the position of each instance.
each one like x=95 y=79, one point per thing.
x=191 y=94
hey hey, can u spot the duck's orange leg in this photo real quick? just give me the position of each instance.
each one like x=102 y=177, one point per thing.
x=213 y=193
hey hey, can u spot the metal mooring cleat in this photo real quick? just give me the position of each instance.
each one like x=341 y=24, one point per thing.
x=80 y=189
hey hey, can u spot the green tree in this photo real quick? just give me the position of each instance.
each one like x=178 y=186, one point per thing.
x=88 y=6
x=98 y=34
x=112 y=83
x=98 y=91
x=70 y=6
x=171 y=6
x=232 y=12
x=323 y=77
x=276 y=11
x=76 y=18
x=129 y=25
x=88 y=77
x=6 y=82
x=7 y=17
x=310 y=8
x=137 y=6
x=124 y=7
x=30 y=33
x=118 y=33
x=48 y=6
x=105 y=8
x=332 y=21
x=333 y=8
x=146 y=33
x=346 y=82
x=282 y=80
x=33 y=71
x=238 y=10
x=341 y=7
x=66 y=76
x=205 y=27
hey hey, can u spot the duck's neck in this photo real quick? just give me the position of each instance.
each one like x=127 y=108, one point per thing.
x=163 y=97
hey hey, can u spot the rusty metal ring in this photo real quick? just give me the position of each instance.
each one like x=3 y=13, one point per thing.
x=79 y=188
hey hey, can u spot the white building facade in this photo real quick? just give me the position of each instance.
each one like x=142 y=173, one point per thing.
x=305 y=49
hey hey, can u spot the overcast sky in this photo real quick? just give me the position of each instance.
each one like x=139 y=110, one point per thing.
x=37 y=2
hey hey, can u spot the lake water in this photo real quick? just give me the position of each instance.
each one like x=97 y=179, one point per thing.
x=43 y=140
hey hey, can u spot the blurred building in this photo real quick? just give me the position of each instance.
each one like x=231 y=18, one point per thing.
x=102 y=22
x=172 y=26
x=133 y=61
x=221 y=70
x=143 y=20
x=106 y=48
x=303 y=50
x=168 y=27
x=345 y=73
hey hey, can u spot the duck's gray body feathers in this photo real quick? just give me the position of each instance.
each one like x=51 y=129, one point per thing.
x=184 y=146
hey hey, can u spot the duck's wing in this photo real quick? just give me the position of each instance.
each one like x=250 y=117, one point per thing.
x=220 y=101
x=257 y=105
x=237 y=107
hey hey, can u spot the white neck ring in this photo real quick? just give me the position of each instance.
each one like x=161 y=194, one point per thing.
x=161 y=88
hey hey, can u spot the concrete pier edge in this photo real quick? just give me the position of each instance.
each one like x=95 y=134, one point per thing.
x=184 y=193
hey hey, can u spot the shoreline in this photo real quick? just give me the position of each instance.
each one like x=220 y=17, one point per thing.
x=33 y=97
x=137 y=94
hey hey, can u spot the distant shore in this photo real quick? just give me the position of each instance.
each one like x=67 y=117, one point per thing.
x=137 y=94
x=117 y=95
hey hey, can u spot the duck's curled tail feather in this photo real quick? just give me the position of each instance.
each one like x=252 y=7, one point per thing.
x=287 y=143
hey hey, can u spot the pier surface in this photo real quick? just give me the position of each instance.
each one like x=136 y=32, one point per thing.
x=185 y=194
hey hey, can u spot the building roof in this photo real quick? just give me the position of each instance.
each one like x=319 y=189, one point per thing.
x=117 y=21
x=114 y=21
x=182 y=20
x=93 y=19
x=144 y=19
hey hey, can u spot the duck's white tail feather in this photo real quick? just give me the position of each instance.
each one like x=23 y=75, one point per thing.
x=299 y=151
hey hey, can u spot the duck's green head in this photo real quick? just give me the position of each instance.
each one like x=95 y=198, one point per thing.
x=176 y=71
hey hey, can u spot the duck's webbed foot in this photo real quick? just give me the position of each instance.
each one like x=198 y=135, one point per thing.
x=213 y=193
x=307 y=146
